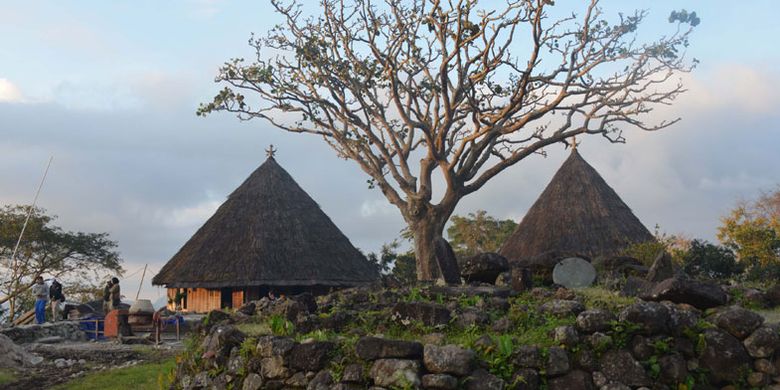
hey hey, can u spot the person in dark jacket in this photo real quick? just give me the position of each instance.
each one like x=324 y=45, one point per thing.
x=116 y=295
x=107 y=298
x=56 y=297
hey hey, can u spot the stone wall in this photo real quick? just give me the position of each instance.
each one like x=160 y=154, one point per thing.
x=64 y=330
x=645 y=345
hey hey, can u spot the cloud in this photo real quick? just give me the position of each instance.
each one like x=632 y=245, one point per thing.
x=9 y=93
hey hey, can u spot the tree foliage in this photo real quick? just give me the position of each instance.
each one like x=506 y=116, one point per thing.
x=49 y=251
x=478 y=233
x=705 y=259
x=420 y=93
x=399 y=265
x=752 y=234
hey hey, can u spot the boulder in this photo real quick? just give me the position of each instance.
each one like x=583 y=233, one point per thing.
x=702 y=295
x=773 y=295
x=521 y=279
x=247 y=309
x=562 y=307
x=322 y=381
x=723 y=356
x=353 y=373
x=566 y=335
x=652 y=317
x=483 y=267
x=635 y=287
x=448 y=263
x=681 y=317
x=220 y=340
x=449 y=359
x=310 y=356
x=307 y=300
x=573 y=380
x=14 y=356
x=529 y=356
x=620 y=366
x=739 y=322
x=574 y=272
x=662 y=268
x=763 y=342
x=430 y=314
x=253 y=381
x=596 y=320
x=482 y=380
x=373 y=348
x=557 y=361
x=401 y=373
x=526 y=379
x=269 y=346
x=439 y=382
x=674 y=369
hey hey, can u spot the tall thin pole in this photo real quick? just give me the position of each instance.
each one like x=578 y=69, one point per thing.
x=24 y=226
x=142 y=282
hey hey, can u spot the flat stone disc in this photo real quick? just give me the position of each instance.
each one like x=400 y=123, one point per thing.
x=574 y=272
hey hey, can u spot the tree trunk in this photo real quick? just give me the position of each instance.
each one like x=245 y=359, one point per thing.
x=425 y=230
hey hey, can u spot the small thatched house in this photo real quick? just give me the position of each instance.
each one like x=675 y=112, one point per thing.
x=269 y=235
x=578 y=213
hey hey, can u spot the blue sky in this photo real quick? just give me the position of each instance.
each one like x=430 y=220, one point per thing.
x=110 y=89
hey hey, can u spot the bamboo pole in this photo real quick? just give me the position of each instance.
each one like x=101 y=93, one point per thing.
x=142 y=282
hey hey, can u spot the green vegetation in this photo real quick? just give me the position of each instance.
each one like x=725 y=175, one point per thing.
x=7 y=376
x=141 y=377
x=478 y=233
x=599 y=297
x=254 y=329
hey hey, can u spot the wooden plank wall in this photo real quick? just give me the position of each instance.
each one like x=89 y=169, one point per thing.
x=237 y=298
x=199 y=300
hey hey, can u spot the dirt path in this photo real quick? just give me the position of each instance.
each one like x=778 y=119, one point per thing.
x=66 y=361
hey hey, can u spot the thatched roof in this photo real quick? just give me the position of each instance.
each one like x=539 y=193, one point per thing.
x=578 y=213
x=269 y=232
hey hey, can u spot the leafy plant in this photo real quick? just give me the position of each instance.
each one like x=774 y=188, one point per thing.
x=280 y=326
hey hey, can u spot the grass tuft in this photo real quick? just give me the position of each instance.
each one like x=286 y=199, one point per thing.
x=147 y=376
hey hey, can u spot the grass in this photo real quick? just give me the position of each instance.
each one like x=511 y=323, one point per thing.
x=255 y=329
x=7 y=376
x=145 y=376
x=770 y=315
x=602 y=298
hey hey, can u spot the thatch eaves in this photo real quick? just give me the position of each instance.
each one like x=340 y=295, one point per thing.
x=269 y=232
x=578 y=212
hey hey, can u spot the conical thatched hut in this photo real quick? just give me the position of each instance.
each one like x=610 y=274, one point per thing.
x=268 y=235
x=578 y=213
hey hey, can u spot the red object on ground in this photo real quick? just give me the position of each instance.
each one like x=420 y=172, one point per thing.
x=113 y=321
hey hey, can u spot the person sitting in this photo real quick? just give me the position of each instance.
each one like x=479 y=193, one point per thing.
x=56 y=296
x=41 y=293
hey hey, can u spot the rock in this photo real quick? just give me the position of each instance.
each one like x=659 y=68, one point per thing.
x=483 y=267
x=765 y=366
x=448 y=263
x=662 y=268
x=557 y=361
x=763 y=342
x=373 y=348
x=396 y=372
x=573 y=380
x=681 y=317
x=449 y=359
x=430 y=314
x=562 y=308
x=617 y=386
x=504 y=279
x=269 y=346
x=472 y=316
x=310 y=356
x=635 y=287
x=434 y=338
x=702 y=295
x=620 y=366
x=353 y=373
x=674 y=370
x=574 y=272
x=526 y=379
x=739 y=322
x=542 y=265
x=596 y=320
x=529 y=356
x=619 y=266
x=307 y=300
x=248 y=309
x=50 y=340
x=273 y=368
x=220 y=340
x=482 y=380
x=439 y=382
x=773 y=295
x=322 y=381
x=502 y=325
x=252 y=381
x=297 y=380
x=599 y=379
x=566 y=335
x=586 y=359
x=723 y=356
x=757 y=379
x=521 y=279
x=652 y=317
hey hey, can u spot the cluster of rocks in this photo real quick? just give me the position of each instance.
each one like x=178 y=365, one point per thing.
x=63 y=362
x=47 y=332
x=14 y=356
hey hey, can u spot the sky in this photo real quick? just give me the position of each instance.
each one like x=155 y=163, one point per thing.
x=110 y=90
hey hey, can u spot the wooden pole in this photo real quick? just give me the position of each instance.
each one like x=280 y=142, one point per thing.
x=142 y=282
x=19 y=241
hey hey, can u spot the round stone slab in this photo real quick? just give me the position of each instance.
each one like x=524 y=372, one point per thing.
x=574 y=272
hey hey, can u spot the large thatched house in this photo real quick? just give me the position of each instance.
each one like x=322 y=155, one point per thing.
x=578 y=213
x=268 y=235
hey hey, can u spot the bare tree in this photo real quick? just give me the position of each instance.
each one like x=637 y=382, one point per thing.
x=422 y=93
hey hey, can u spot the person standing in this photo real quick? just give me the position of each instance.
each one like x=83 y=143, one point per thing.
x=107 y=298
x=116 y=297
x=41 y=293
x=56 y=297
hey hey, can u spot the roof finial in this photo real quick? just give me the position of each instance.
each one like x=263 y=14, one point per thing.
x=574 y=143
x=271 y=151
